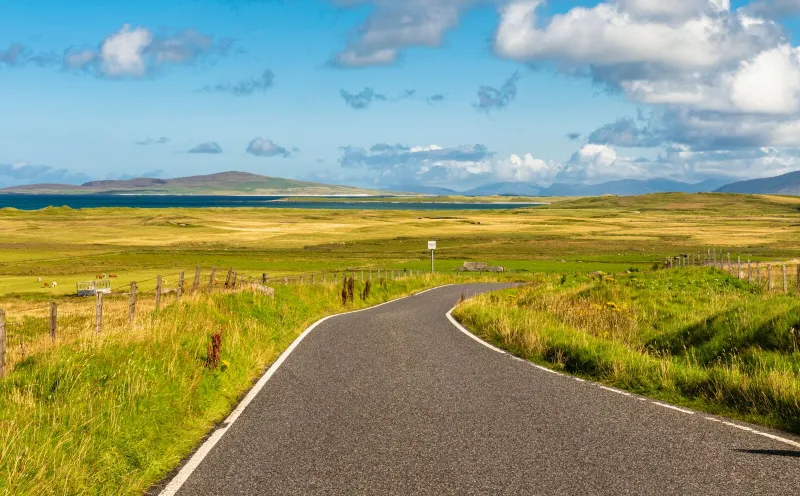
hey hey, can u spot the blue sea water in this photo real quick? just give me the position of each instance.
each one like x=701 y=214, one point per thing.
x=36 y=202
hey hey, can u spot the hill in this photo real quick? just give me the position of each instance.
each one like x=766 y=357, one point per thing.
x=223 y=183
x=786 y=184
x=631 y=187
x=505 y=189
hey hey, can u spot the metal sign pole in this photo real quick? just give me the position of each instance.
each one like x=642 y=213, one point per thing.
x=432 y=248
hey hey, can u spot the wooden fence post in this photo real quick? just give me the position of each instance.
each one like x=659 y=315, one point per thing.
x=749 y=272
x=158 y=292
x=228 y=278
x=264 y=278
x=211 y=279
x=313 y=278
x=132 y=303
x=769 y=277
x=785 y=288
x=53 y=321
x=738 y=267
x=98 y=313
x=758 y=273
x=2 y=343
x=180 y=286
x=798 y=278
x=196 y=283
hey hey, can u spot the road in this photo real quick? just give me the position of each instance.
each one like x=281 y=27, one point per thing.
x=397 y=400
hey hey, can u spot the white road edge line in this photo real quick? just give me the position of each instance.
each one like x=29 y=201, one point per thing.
x=748 y=429
x=472 y=336
x=671 y=407
x=186 y=471
x=624 y=393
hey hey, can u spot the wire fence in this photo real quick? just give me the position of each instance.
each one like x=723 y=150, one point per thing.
x=775 y=276
x=27 y=329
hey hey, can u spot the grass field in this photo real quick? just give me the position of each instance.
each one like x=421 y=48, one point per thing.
x=692 y=336
x=606 y=233
x=113 y=413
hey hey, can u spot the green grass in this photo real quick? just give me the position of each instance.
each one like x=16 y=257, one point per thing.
x=695 y=336
x=113 y=414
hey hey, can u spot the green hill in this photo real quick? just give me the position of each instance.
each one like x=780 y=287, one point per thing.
x=223 y=183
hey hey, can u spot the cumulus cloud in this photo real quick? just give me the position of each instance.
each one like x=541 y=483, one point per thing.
x=262 y=147
x=490 y=98
x=23 y=173
x=366 y=97
x=457 y=167
x=138 y=51
x=393 y=26
x=153 y=141
x=716 y=82
x=773 y=8
x=210 y=147
x=244 y=87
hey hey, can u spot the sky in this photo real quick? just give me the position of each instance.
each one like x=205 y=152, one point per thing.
x=397 y=93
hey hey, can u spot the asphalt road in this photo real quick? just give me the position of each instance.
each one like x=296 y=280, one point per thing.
x=397 y=400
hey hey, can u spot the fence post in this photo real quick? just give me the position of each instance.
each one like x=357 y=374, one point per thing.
x=2 y=343
x=785 y=288
x=749 y=272
x=158 y=293
x=264 y=279
x=132 y=303
x=228 y=278
x=196 y=282
x=738 y=267
x=758 y=273
x=211 y=279
x=53 y=321
x=798 y=278
x=770 y=283
x=313 y=278
x=98 y=313
x=180 y=286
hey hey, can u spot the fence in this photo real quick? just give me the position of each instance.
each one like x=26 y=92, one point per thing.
x=782 y=276
x=28 y=329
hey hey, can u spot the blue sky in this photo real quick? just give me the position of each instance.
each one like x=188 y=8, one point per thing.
x=451 y=93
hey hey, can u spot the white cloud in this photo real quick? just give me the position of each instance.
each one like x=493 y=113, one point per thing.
x=122 y=54
x=262 y=147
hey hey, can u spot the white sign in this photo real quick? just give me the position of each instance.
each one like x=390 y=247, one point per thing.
x=431 y=245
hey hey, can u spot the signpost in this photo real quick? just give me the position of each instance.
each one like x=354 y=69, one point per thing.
x=432 y=248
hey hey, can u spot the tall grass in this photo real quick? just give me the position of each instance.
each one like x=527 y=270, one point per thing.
x=113 y=413
x=695 y=336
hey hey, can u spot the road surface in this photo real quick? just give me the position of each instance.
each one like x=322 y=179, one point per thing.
x=398 y=400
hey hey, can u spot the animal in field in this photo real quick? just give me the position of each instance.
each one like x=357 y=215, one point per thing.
x=54 y=284
x=48 y=285
x=38 y=279
x=99 y=276
x=112 y=276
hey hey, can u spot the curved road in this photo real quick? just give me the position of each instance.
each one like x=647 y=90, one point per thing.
x=397 y=400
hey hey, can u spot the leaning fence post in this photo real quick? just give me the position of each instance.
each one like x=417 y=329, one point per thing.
x=132 y=303
x=784 y=279
x=228 y=278
x=180 y=286
x=98 y=313
x=158 y=292
x=53 y=321
x=196 y=283
x=211 y=279
x=2 y=343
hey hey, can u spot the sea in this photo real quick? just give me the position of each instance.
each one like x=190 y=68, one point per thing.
x=37 y=202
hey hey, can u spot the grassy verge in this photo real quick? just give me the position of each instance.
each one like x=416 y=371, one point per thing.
x=114 y=413
x=696 y=337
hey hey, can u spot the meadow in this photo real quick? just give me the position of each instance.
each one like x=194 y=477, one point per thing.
x=114 y=412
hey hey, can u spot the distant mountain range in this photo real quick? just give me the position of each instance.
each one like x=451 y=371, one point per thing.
x=786 y=184
x=223 y=183
x=244 y=183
